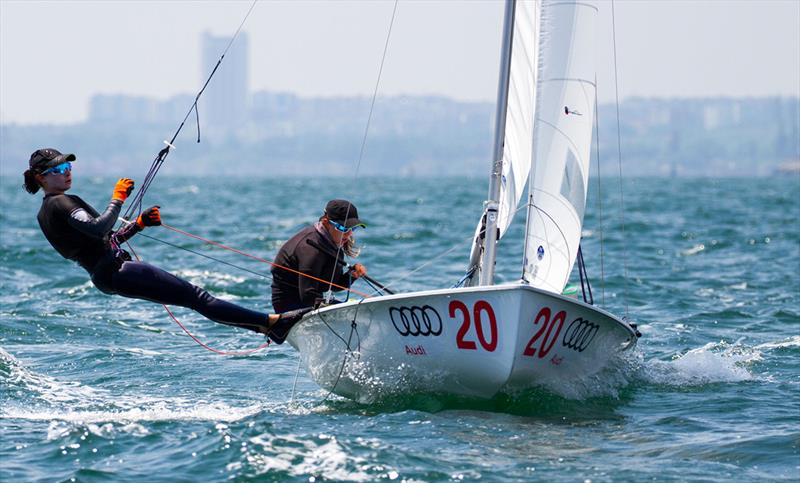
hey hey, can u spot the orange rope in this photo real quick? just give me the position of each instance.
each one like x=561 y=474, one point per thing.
x=210 y=242
x=217 y=351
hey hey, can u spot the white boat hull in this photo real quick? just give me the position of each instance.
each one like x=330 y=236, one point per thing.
x=474 y=341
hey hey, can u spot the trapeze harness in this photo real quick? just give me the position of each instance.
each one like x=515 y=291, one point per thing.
x=79 y=233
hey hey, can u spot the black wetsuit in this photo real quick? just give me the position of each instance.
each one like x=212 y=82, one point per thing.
x=311 y=252
x=81 y=234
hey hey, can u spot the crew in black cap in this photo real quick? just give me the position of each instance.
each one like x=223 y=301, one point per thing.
x=318 y=251
x=80 y=233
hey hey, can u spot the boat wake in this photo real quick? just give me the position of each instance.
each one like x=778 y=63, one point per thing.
x=716 y=362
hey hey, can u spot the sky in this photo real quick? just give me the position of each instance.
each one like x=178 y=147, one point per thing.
x=54 y=55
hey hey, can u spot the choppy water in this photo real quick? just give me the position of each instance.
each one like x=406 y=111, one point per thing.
x=99 y=388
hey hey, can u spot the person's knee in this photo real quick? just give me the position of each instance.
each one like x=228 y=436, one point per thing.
x=202 y=297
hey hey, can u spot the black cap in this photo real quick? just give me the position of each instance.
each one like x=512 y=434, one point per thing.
x=343 y=212
x=46 y=158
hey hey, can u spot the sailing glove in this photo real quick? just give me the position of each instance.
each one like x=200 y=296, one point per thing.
x=149 y=217
x=358 y=270
x=122 y=189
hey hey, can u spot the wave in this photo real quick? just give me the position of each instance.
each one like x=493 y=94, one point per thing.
x=788 y=343
x=301 y=456
x=715 y=362
x=44 y=398
x=137 y=411
x=48 y=389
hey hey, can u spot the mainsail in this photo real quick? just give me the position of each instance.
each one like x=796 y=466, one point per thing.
x=562 y=142
x=519 y=114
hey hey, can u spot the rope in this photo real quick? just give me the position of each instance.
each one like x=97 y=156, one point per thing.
x=619 y=160
x=136 y=204
x=210 y=242
x=586 y=286
x=216 y=351
x=348 y=349
x=263 y=275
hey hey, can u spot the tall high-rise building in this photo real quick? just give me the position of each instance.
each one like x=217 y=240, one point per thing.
x=225 y=102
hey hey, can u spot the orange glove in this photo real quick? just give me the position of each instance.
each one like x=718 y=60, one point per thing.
x=358 y=270
x=122 y=189
x=149 y=217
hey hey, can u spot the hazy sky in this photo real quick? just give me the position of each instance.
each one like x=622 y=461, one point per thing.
x=55 y=54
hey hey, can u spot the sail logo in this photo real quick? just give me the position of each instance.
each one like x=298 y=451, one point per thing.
x=416 y=321
x=580 y=333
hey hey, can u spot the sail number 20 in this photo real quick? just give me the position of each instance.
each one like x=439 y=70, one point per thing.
x=463 y=339
x=541 y=342
x=549 y=327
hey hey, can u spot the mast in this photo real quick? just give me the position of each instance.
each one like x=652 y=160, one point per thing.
x=492 y=203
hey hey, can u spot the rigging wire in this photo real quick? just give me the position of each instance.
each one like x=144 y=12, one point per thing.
x=619 y=160
x=446 y=252
x=369 y=121
x=296 y=376
x=173 y=245
x=244 y=254
x=599 y=198
x=135 y=206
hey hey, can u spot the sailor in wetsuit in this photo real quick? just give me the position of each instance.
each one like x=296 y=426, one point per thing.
x=78 y=232
x=318 y=251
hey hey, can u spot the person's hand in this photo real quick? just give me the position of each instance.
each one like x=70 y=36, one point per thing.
x=122 y=189
x=149 y=217
x=358 y=270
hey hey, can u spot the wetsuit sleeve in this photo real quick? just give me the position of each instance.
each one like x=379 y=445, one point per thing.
x=87 y=221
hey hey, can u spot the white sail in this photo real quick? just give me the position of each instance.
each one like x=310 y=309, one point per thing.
x=518 y=137
x=518 y=142
x=562 y=142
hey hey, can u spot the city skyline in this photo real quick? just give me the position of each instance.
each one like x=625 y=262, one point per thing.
x=285 y=135
x=310 y=49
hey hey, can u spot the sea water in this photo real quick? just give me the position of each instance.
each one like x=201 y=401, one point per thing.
x=97 y=388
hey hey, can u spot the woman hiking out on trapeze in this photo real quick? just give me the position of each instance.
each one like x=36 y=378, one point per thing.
x=79 y=233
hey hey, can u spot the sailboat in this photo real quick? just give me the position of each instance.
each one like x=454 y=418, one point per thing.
x=480 y=339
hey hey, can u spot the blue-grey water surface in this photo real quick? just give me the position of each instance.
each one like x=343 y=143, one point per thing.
x=99 y=388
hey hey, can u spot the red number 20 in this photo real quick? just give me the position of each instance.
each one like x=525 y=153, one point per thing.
x=547 y=325
x=480 y=306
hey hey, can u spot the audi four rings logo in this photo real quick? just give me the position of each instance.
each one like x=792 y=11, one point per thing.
x=416 y=321
x=579 y=334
